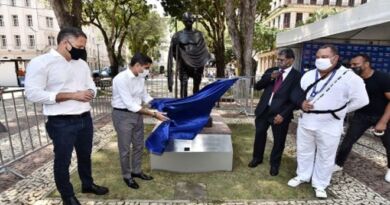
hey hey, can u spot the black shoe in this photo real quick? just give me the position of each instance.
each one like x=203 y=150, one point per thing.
x=274 y=171
x=131 y=183
x=70 y=201
x=142 y=176
x=95 y=189
x=254 y=163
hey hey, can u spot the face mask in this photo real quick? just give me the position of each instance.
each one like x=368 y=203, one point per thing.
x=323 y=63
x=144 y=74
x=77 y=53
x=357 y=70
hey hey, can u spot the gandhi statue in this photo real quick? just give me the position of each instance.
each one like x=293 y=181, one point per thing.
x=189 y=49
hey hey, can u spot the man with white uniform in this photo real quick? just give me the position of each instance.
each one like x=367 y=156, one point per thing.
x=330 y=91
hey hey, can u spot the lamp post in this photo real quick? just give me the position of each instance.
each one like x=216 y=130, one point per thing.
x=97 y=45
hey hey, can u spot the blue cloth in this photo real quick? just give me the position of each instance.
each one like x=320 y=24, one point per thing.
x=187 y=116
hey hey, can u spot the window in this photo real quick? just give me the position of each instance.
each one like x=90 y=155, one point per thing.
x=28 y=3
x=29 y=21
x=300 y=1
x=3 y=41
x=17 y=41
x=13 y=2
x=31 y=41
x=15 y=20
x=326 y=2
x=339 y=3
x=299 y=18
x=51 y=41
x=1 y=20
x=286 y=23
x=49 y=22
x=364 y=1
x=351 y=2
x=313 y=2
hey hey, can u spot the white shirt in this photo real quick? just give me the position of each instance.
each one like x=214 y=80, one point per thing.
x=129 y=91
x=284 y=75
x=350 y=88
x=49 y=74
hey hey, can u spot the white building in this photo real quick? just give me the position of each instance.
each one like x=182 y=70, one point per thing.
x=29 y=28
x=288 y=14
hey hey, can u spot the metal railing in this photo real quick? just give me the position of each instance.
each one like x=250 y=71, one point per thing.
x=24 y=125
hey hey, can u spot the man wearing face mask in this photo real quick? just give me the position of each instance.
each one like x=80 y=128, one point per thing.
x=328 y=93
x=275 y=109
x=61 y=81
x=128 y=94
x=376 y=114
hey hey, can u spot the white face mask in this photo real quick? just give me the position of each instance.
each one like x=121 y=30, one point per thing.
x=144 y=74
x=323 y=63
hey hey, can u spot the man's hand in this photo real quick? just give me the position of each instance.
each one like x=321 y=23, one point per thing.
x=275 y=74
x=278 y=119
x=306 y=106
x=160 y=116
x=83 y=96
x=380 y=126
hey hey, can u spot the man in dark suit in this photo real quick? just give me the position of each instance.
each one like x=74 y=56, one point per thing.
x=275 y=108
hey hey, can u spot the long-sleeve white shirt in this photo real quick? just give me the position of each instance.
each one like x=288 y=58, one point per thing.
x=49 y=74
x=350 y=88
x=129 y=91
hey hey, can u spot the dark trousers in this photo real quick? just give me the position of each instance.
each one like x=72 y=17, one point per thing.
x=68 y=132
x=279 y=133
x=357 y=126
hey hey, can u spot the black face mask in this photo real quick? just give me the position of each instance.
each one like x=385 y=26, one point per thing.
x=357 y=70
x=77 y=53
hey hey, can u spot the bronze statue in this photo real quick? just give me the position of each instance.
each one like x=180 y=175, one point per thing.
x=189 y=49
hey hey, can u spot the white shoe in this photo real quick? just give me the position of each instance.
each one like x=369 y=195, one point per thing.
x=321 y=193
x=387 y=177
x=294 y=182
x=337 y=168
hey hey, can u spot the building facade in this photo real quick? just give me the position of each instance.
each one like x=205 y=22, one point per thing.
x=288 y=14
x=29 y=28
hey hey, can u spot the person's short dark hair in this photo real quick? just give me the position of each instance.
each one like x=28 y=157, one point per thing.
x=70 y=32
x=141 y=59
x=365 y=57
x=333 y=48
x=287 y=52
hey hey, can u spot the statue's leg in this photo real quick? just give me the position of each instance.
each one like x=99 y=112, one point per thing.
x=183 y=84
x=197 y=79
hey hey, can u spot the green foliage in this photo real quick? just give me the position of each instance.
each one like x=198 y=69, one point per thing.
x=264 y=38
x=321 y=14
x=145 y=34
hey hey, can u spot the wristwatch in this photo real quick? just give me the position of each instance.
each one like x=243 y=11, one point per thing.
x=154 y=114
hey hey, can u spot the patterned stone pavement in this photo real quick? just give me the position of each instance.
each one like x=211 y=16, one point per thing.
x=345 y=189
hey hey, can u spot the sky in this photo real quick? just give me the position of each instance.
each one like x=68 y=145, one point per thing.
x=159 y=9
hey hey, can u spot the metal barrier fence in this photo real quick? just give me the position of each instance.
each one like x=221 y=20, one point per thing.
x=24 y=125
x=241 y=97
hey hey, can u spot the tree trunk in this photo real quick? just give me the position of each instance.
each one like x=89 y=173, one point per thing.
x=68 y=16
x=220 y=58
x=241 y=29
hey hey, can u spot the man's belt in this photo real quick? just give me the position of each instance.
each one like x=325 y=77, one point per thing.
x=332 y=112
x=122 y=109
x=82 y=115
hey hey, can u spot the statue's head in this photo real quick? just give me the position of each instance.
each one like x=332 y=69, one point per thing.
x=188 y=19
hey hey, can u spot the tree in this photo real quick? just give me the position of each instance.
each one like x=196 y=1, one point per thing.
x=321 y=14
x=264 y=38
x=68 y=12
x=211 y=15
x=241 y=16
x=145 y=34
x=112 y=19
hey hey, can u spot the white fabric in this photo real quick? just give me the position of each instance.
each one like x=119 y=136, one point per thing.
x=284 y=76
x=316 y=153
x=350 y=88
x=51 y=73
x=129 y=91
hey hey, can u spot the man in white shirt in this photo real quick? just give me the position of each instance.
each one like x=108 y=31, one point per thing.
x=61 y=81
x=128 y=94
x=330 y=91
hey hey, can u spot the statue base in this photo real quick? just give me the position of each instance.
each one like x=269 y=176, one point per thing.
x=210 y=150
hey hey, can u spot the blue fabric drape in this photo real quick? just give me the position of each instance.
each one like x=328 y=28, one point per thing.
x=187 y=116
